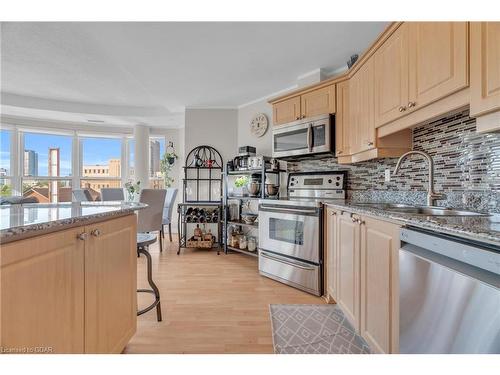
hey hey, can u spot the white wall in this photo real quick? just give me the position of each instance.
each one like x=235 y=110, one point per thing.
x=245 y=138
x=213 y=127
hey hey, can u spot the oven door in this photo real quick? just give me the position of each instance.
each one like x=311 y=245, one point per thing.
x=302 y=139
x=290 y=231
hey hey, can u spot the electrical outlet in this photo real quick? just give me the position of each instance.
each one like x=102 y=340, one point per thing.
x=387 y=175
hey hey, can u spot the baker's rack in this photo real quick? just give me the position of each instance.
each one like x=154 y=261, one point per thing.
x=203 y=168
x=264 y=170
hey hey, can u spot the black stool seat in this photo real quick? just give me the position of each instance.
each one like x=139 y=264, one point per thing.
x=143 y=242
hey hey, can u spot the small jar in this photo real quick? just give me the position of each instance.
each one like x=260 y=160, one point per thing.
x=243 y=242
x=234 y=239
x=252 y=244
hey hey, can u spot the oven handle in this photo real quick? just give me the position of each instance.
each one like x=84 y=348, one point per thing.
x=309 y=137
x=298 y=211
x=281 y=260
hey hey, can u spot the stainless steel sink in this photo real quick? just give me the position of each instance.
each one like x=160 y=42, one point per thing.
x=420 y=210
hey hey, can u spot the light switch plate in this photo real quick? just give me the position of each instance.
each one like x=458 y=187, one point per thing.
x=387 y=175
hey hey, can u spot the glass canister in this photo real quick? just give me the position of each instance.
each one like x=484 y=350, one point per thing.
x=252 y=244
x=243 y=242
x=235 y=239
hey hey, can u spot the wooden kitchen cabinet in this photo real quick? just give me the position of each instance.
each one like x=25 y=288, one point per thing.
x=438 y=61
x=286 y=111
x=392 y=77
x=110 y=285
x=379 y=281
x=361 y=109
x=347 y=264
x=318 y=102
x=42 y=293
x=485 y=74
x=342 y=124
x=73 y=291
x=363 y=277
x=331 y=253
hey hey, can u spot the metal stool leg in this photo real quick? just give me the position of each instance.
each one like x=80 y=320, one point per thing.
x=155 y=291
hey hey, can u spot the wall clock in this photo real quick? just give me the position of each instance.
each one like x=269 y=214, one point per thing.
x=258 y=125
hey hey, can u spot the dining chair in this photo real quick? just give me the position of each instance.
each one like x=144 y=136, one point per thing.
x=112 y=194
x=81 y=195
x=149 y=220
x=167 y=212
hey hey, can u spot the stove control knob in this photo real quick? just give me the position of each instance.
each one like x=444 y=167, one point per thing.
x=337 y=184
x=338 y=178
x=330 y=181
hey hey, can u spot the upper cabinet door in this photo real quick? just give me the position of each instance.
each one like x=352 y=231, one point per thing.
x=286 y=111
x=391 y=77
x=342 y=123
x=365 y=105
x=318 y=102
x=438 y=61
x=484 y=67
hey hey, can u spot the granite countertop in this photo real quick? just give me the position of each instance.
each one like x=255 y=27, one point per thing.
x=26 y=220
x=478 y=228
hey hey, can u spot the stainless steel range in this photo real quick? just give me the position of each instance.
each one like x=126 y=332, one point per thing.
x=291 y=229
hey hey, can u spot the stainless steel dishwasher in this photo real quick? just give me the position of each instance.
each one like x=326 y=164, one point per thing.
x=449 y=294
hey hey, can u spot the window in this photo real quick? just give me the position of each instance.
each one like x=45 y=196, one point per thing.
x=5 y=173
x=131 y=159
x=46 y=161
x=47 y=155
x=102 y=160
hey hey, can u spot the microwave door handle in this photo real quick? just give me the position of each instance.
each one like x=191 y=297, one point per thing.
x=309 y=138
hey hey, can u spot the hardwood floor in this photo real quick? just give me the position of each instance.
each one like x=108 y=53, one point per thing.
x=210 y=304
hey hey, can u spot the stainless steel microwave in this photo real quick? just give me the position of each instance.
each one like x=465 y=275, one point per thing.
x=305 y=137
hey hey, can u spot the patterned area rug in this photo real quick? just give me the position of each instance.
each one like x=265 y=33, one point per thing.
x=314 y=329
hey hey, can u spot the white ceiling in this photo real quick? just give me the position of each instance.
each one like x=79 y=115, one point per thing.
x=136 y=72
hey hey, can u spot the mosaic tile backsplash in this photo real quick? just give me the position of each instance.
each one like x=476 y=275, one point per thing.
x=466 y=167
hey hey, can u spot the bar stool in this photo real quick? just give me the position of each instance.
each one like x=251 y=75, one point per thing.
x=143 y=242
x=148 y=224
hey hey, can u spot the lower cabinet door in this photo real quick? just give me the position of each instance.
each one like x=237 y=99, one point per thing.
x=110 y=285
x=379 y=282
x=331 y=253
x=42 y=288
x=348 y=238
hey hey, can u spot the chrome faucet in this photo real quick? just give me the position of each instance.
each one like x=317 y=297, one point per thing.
x=432 y=196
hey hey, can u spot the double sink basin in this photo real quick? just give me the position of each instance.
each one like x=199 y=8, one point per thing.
x=420 y=210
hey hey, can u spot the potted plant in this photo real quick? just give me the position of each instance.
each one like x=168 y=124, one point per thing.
x=132 y=189
x=166 y=164
x=240 y=185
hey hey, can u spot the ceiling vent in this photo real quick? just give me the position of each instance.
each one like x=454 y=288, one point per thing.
x=96 y=121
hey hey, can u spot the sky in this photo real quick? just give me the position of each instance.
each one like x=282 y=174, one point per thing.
x=94 y=150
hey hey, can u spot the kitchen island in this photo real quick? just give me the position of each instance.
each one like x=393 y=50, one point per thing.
x=68 y=277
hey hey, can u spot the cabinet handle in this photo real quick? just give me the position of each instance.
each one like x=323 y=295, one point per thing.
x=361 y=222
x=369 y=143
x=354 y=220
x=402 y=109
x=82 y=236
x=297 y=118
x=411 y=104
x=334 y=213
x=96 y=232
x=339 y=152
